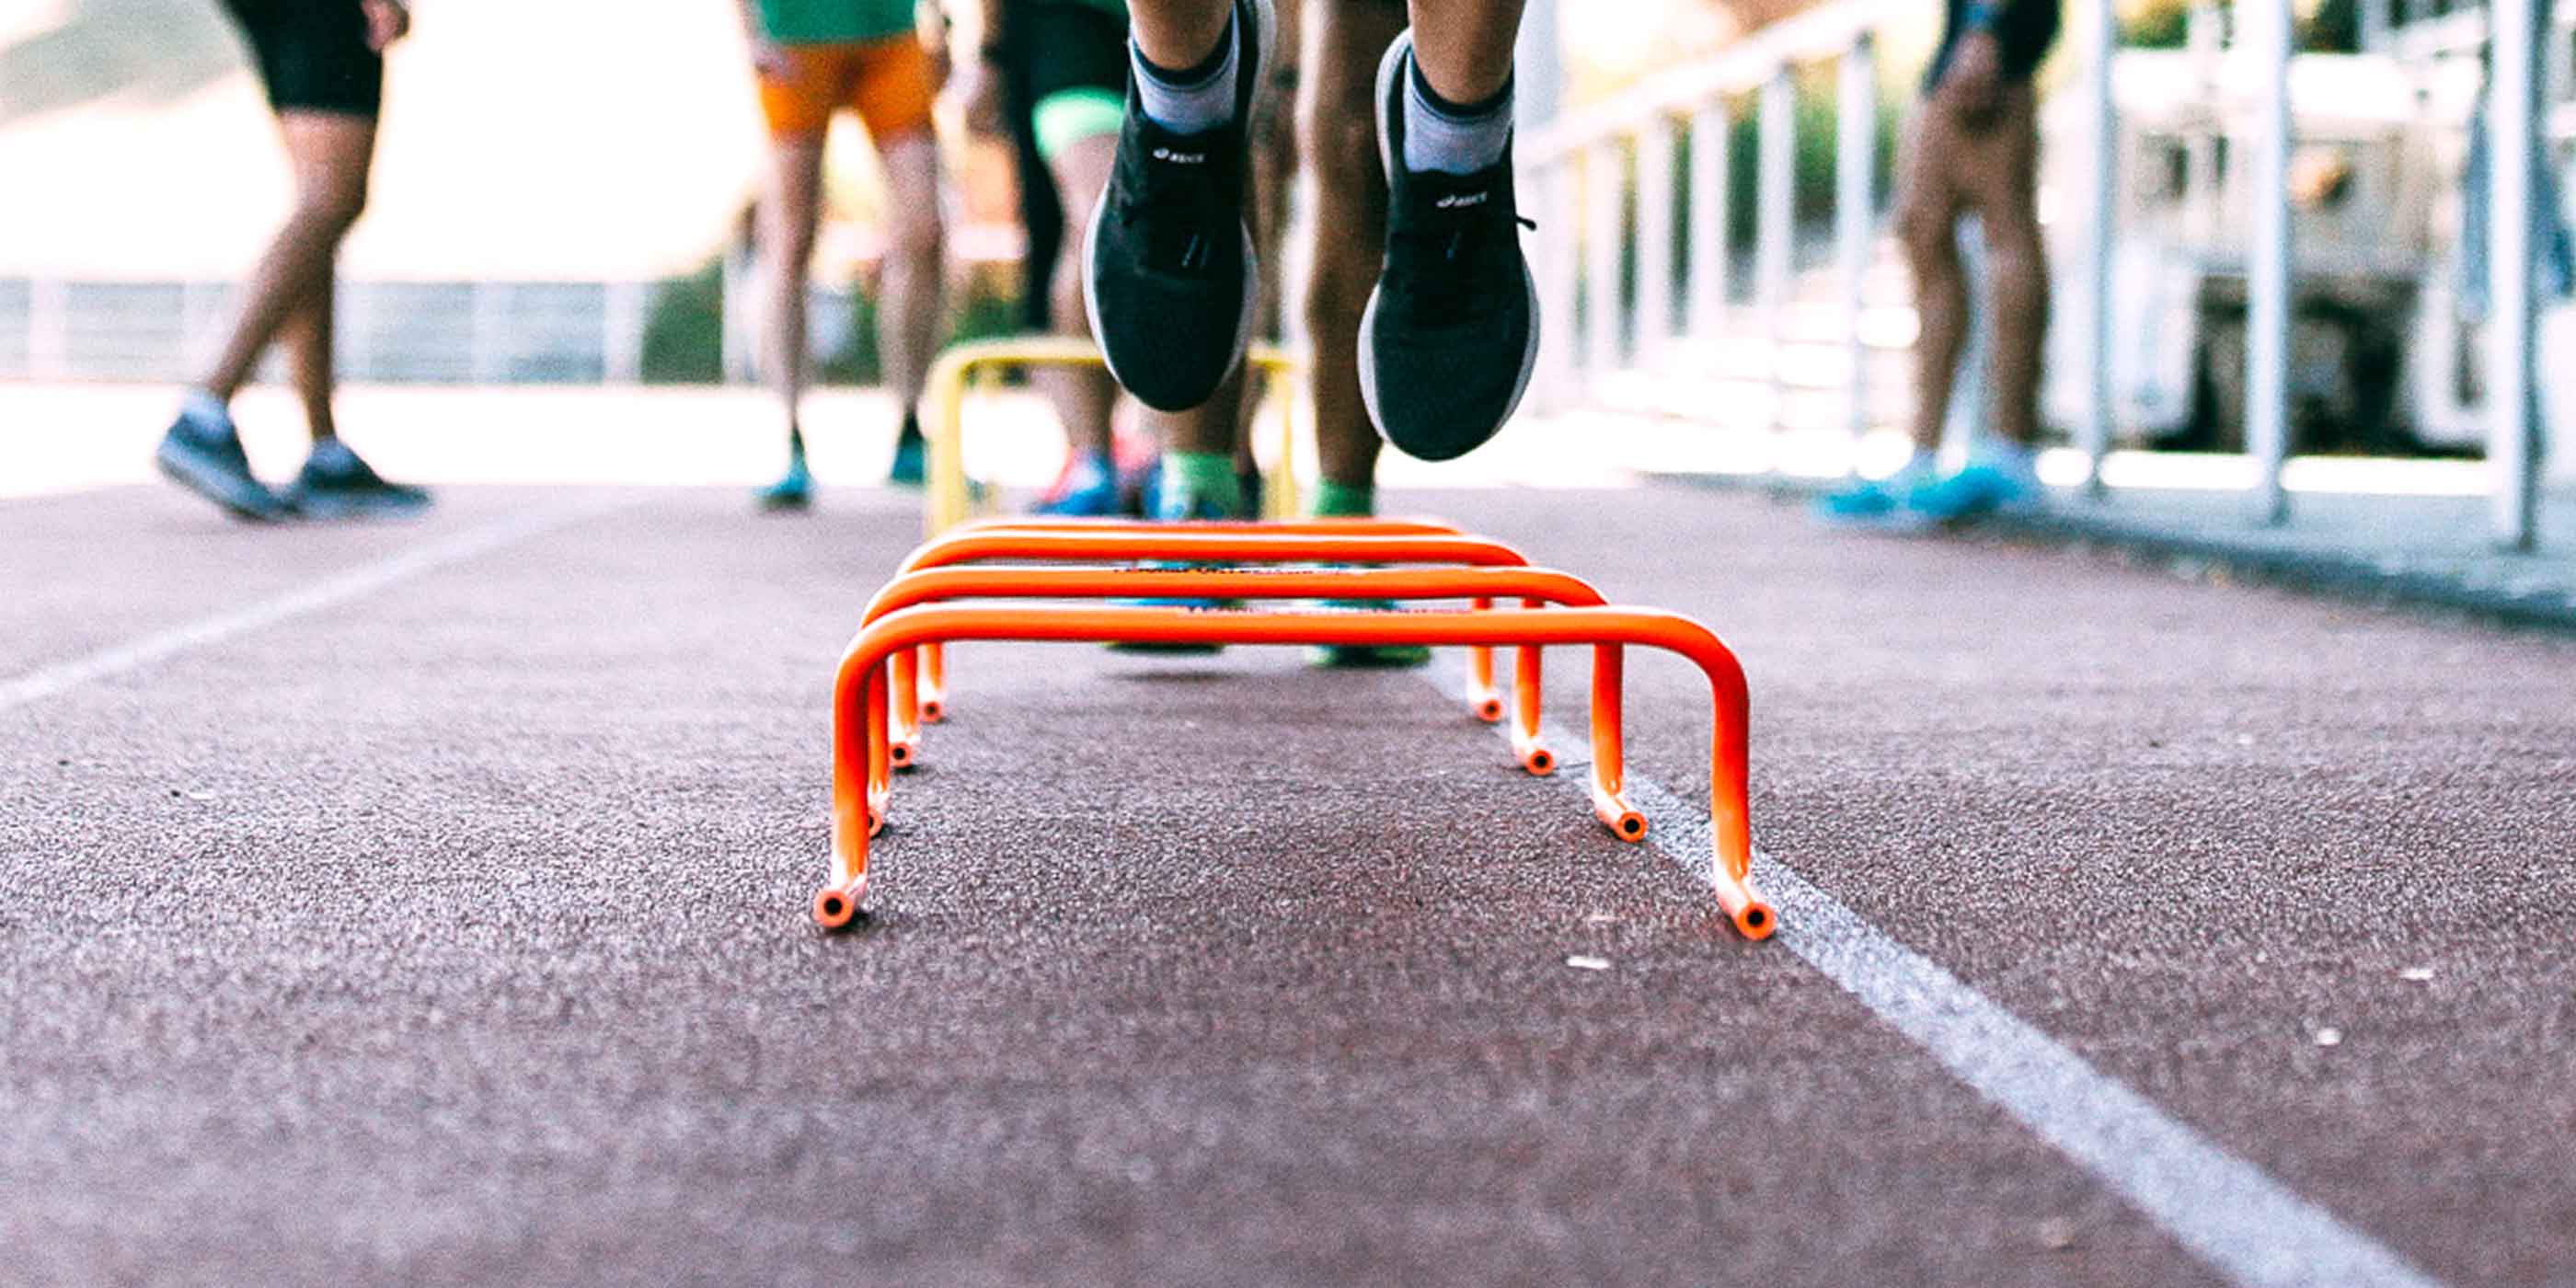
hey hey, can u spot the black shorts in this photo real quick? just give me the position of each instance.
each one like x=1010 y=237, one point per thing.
x=1066 y=44
x=312 y=54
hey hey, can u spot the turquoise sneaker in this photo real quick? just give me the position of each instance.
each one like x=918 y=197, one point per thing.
x=1979 y=489
x=794 y=490
x=1175 y=505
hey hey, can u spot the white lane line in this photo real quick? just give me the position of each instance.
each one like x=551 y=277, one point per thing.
x=366 y=579
x=2246 y=1225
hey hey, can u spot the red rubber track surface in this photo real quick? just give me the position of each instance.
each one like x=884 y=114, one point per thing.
x=456 y=931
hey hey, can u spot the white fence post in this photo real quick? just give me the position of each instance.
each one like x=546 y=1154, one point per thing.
x=1710 y=128
x=49 y=348
x=1655 y=151
x=2266 y=40
x=1855 y=211
x=1775 y=232
x=2512 y=108
x=624 y=311
x=1603 y=233
x=1557 y=268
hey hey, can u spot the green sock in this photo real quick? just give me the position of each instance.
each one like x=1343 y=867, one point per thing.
x=1199 y=485
x=1345 y=500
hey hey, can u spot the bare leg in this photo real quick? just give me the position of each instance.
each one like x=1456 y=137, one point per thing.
x=1178 y=33
x=329 y=153
x=1927 y=223
x=916 y=283
x=2003 y=175
x=1082 y=397
x=1344 y=41
x=307 y=336
x=787 y=221
x=1464 y=47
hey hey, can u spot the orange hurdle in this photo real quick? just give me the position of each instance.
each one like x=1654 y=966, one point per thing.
x=931 y=685
x=920 y=687
x=860 y=714
x=1532 y=586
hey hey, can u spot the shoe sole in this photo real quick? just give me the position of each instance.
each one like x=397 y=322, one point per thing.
x=1266 y=25
x=218 y=486
x=334 y=510
x=1387 y=69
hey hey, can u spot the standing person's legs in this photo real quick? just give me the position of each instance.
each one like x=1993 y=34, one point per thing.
x=325 y=79
x=799 y=89
x=1077 y=72
x=789 y=212
x=1927 y=225
x=1993 y=173
x=2002 y=181
x=892 y=96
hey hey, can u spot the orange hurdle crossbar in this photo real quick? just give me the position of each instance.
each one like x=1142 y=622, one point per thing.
x=921 y=686
x=1532 y=586
x=860 y=700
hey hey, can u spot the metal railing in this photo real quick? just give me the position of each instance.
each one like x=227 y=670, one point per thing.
x=1578 y=170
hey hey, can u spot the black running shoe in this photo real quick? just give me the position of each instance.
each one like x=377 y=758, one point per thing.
x=1168 y=272
x=335 y=484
x=1451 y=333
x=204 y=455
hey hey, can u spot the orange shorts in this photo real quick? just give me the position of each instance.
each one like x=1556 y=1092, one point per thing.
x=887 y=82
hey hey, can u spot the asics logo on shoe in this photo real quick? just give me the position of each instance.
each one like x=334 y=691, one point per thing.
x=1457 y=200
x=1180 y=158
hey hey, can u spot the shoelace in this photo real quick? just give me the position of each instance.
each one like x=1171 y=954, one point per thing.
x=1456 y=240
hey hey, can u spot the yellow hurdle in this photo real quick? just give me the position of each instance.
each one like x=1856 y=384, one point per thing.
x=950 y=501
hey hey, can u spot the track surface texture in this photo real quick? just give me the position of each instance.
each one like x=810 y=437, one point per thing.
x=454 y=929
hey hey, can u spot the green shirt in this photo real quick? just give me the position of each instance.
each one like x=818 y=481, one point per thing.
x=834 y=22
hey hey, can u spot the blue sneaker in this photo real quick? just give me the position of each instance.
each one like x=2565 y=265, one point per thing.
x=1866 y=501
x=1979 y=489
x=1087 y=489
x=335 y=484
x=1177 y=506
x=911 y=457
x=794 y=490
x=203 y=454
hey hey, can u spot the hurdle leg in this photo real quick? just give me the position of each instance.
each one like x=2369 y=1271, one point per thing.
x=903 y=728
x=1609 y=756
x=1482 y=697
x=933 y=684
x=1730 y=813
x=856 y=811
x=1527 y=741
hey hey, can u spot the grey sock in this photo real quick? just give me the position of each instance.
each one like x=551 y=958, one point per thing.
x=1439 y=137
x=1202 y=101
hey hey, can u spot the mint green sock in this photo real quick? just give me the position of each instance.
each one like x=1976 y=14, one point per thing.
x=1344 y=500
x=1199 y=485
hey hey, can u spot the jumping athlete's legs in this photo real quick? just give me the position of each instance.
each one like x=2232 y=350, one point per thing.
x=1450 y=334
